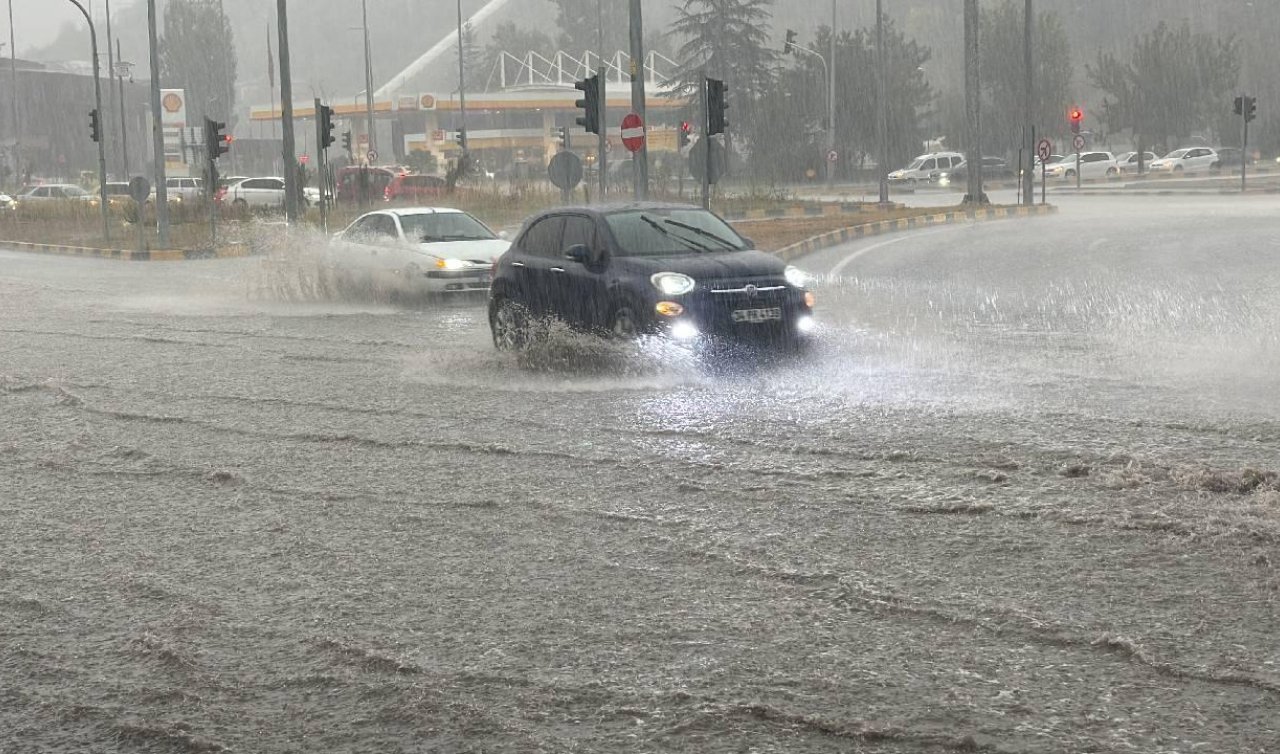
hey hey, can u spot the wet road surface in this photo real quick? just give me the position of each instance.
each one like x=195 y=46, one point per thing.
x=1019 y=497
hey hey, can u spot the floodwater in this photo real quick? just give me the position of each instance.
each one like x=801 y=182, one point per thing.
x=1020 y=496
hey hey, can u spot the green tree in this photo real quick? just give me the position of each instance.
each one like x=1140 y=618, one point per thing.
x=197 y=54
x=518 y=41
x=473 y=60
x=1175 y=83
x=1002 y=38
x=727 y=40
x=581 y=21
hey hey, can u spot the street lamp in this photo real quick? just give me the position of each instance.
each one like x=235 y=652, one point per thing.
x=831 y=102
x=97 y=97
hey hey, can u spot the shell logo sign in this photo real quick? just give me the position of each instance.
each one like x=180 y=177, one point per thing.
x=428 y=102
x=172 y=102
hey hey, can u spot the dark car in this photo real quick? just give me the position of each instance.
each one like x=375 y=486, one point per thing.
x=637 y=269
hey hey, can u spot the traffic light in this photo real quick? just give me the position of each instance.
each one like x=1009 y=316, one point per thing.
x=346 y=141
x=326 y=126
x=460 y=138
x=790 y=44
x=716 y=105
x=1250 y=108
x=95 y=128
x=216 y=143
x=686 y=128
x=1239 y=106
x=590 y=103
x=1076 y=115
x=562 y=136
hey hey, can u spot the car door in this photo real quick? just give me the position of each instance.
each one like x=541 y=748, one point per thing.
x=582 y=288
x=532 y=269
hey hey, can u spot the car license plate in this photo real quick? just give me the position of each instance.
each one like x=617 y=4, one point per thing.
x=757 y=315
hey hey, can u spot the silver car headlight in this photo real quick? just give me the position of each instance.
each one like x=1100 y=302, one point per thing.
x=672 y=283
x=796 y=276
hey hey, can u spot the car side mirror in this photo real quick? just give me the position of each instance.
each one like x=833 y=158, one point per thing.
x=748 y=243
x=578 y=253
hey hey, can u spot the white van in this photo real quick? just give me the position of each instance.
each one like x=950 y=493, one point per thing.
x=926 y=168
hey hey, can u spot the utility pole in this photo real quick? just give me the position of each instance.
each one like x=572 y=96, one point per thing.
x=462 y=97
x=882 y=108
x=372 y=143
x=973 y=109
x=124 y=121
x=1028 y=124
x=602 y=141
x=111 y=74
x=157 y=131
x=13 y=102
x=639 y=160
x=831 y=102
x=286 y=116
x=97 y=100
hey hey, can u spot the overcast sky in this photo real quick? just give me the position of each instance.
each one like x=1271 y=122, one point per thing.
x=36 y=22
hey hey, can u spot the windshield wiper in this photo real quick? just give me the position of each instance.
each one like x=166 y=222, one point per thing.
x=702 y=232
x=687 y=241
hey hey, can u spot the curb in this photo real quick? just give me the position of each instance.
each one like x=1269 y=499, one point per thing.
x=843 y=235
x=1173 y=192
x=805 y=210
x=158 y=255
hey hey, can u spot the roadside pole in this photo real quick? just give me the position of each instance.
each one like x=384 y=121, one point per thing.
x=1077 y=146
x=1028 y=124
x=322 y=157
x=286 y=116
x=157 y=132
x=100 y=119
x=1244 y=143
x=882 y=108
x=703 y=98
x=602 y=144
x=639 y=159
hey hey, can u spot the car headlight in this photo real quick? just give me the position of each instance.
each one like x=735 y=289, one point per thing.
x=672 y=283
x=450 y=264
x=796 y=276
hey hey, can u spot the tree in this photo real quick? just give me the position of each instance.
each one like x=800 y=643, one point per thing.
x=1003 y=73
x=1175 y=83
x=726 y=40
x=517 y=41
x=197 y=54
x=581 y=21
x=473 y=60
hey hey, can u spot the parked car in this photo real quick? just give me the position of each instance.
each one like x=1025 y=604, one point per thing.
x=55 y=192
x=1230 y=159
x=665 y=269
x=926 y=168
x=414 y=187
x=992 y=168
x=1091 y=165
x=419 y=250
x=7 y=202
x=353 y=180
x=1186 y=160
x=255 y=192
x=117 y=194
x=1128 y=162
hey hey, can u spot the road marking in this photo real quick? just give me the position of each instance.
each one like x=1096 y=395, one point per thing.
x=847 y=260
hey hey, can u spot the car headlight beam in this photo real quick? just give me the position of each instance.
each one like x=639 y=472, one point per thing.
x=672 y=283
x=796 y=276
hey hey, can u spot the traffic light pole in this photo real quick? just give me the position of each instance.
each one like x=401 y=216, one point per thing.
x=705 y=96
x=322 y=157
x=286 y=116
x=602 y=148
x=640 y=160
x=102 y=150
x=1244 y=146
x=157 y=132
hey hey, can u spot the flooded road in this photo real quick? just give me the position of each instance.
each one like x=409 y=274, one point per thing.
x=1020 y=497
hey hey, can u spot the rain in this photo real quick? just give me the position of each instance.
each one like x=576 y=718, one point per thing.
x=633 y=376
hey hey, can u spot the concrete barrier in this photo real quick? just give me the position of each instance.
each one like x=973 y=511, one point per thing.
x=854 y=232
x=155 y=255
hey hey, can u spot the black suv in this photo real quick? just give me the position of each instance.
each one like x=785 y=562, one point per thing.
x=636 y=269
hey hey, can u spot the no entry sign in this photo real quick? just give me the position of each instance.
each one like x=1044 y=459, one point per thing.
x=632 y=132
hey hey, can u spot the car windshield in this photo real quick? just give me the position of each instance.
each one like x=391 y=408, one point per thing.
x=915 y=164
x=654 y=232
x=1175 y=154
x=428 y=227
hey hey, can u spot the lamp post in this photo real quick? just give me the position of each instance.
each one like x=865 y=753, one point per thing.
x=831 y=100
x=371 y=144
x=13 y=101
x=97 y=97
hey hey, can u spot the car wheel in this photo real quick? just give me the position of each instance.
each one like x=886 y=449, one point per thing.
x=1177 y=168
x=1069 y=174
x=509 y=322
x=623 y=325
x=1112 y=172
x=240 y=204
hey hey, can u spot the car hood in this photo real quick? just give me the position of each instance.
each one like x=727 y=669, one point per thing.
x=709 y=265
x=485 y=249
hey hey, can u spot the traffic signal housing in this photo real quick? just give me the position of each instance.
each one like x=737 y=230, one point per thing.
x=346 y=141
x=1250 y=108
x=790 y=44
x=1075 y=116
x=216 y=143
x=562 y=137
x=716 y=106
x=326 y=126
x=1239 y=106
x=95 y=127
x=686 y=130
x=460 y=137
x=590 y=103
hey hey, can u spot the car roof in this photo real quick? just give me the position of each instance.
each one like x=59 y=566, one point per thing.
x=402 y=211
x=612 y=208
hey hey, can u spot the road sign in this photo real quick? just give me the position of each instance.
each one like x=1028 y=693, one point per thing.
x=565 y=170
x=304 y=158
x=1078 y=142
x=1044 y=148
x=139 y=189
x=373 y=155
x=632 y=132
x=833 y=155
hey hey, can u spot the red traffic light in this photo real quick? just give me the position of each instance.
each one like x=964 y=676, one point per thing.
x=686 y=126
x=1077 y=115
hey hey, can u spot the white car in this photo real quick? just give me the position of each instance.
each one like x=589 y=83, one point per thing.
x=255 y=192
x=1186 y=160
x=55 y=192
x=1128 y=162
x=418 y=250
x=1091 y=165
x=926 y=168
